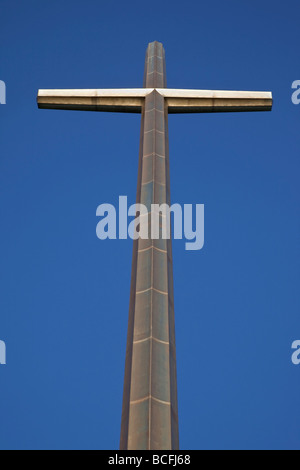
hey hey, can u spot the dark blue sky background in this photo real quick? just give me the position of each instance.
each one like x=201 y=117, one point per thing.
x=65 y=294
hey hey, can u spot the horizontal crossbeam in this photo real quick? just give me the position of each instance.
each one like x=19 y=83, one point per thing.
x=207 y=101
x=114 y=100
x=178 y=101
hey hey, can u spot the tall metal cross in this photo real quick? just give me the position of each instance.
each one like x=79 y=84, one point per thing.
x=150 y=414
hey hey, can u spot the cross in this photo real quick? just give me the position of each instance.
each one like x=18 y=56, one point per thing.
x=150 y=412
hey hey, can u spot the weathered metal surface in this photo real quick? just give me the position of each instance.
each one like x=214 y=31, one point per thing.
x=150 y=416
x=177 y=101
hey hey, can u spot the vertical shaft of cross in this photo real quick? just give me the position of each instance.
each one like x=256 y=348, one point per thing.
x=150 y=414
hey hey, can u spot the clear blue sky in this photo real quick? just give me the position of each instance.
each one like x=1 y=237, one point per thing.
x=65 y=294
